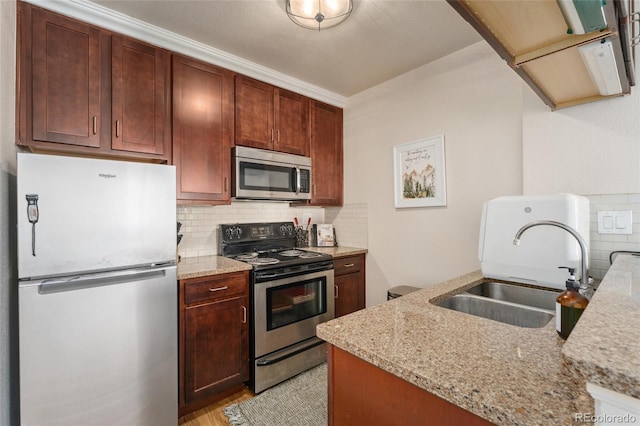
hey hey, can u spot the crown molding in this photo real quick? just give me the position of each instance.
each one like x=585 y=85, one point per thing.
x=100 y=16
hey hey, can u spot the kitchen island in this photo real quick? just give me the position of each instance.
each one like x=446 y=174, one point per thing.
x=499 y=373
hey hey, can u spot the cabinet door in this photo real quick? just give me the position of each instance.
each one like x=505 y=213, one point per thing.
x=347 y=294
x=350 y=284
x=140 y=98
x=202 y=130
x=65 y=66
x=216 y=347
x=254 y=113
x=292 y=123
x=326 y=154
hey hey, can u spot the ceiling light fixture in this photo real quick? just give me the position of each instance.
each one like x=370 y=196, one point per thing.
x=319 y=14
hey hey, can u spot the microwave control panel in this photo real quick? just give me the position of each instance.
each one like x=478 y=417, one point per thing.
x=305 y=181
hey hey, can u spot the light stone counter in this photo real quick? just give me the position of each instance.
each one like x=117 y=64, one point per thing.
x=202 y=266
x=337 y=252
x=604 y=347
x=503 y=373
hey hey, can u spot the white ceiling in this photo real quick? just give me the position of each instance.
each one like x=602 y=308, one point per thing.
x=381 y=39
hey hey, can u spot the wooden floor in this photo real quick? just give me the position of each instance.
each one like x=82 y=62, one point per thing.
x=213 y=415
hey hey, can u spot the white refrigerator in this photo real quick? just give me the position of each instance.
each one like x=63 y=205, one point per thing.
x=97 y=292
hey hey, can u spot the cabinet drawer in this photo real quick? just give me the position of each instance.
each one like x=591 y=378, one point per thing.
x=348 y=265
x=214 y=287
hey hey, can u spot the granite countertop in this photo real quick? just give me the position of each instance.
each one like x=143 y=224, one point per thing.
x=604 y=347
x=338 y=251
x=503 y=373
x=202 y=266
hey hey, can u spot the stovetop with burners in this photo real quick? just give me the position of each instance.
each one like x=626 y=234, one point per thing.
x=265 y=245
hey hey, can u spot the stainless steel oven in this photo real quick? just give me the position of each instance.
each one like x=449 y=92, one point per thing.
x=268 y=175
x=286 y=312
x=292 y=291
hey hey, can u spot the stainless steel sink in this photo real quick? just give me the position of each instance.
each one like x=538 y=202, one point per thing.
x=538 y=298
x=507 y=303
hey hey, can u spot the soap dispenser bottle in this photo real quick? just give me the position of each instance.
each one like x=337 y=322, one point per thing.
x=569 y=305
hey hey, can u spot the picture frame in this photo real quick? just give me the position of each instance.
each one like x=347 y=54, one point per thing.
x=419 y=173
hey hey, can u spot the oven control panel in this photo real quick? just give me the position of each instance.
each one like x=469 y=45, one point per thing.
x=245 y=232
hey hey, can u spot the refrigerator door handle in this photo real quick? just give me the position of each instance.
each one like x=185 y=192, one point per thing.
x=79 y=282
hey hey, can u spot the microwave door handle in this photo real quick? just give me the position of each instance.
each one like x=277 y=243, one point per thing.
x=297 y=180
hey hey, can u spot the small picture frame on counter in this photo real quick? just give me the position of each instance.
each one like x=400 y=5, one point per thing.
x=323 y=235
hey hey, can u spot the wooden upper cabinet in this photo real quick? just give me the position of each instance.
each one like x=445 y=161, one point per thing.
x=84 y=90
x=254 y=113
x=271 y=118
x=292 y=123
x=326 y=154
x=140 y=97
x=65 y=92
x=202 y=131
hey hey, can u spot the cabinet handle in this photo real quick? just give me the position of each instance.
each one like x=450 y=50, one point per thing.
x=225 y=185
x=335 y=289
x=117 y=128
x=278 y=134
x=95 y=124
x=271 y=135
x=218 y=288
x=244 y=314
x=349 y=265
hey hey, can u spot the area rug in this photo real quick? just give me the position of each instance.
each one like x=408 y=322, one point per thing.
x=300 y=401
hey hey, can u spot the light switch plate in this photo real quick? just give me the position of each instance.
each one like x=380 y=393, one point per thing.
x=615 y=222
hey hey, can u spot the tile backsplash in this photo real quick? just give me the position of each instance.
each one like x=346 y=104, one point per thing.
x=200 y=223
x=601 y=245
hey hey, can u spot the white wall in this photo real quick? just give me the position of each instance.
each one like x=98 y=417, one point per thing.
x=8 y=287
x=586 y=149
x=472 y=98
x=593 y=150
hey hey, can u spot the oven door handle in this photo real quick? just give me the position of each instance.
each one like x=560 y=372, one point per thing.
x=288 y=353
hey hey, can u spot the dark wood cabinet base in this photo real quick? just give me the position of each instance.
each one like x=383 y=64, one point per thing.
x=363 y=394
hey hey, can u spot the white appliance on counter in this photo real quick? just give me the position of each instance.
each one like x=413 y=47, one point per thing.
x=97 y=292
x=543 y=248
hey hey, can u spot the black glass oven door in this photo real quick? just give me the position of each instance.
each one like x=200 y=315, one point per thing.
x=291 y=303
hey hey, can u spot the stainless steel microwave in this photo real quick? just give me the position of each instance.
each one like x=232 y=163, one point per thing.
x=258 y=174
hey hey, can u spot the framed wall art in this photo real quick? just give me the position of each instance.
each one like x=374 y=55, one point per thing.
x=419 y=175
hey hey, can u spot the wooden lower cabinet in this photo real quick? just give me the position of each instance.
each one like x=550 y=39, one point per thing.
x=362 y=394
x=349 y=279
x=213 y=338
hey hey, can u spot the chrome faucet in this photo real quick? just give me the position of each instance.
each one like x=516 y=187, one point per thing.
x=584 y=279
